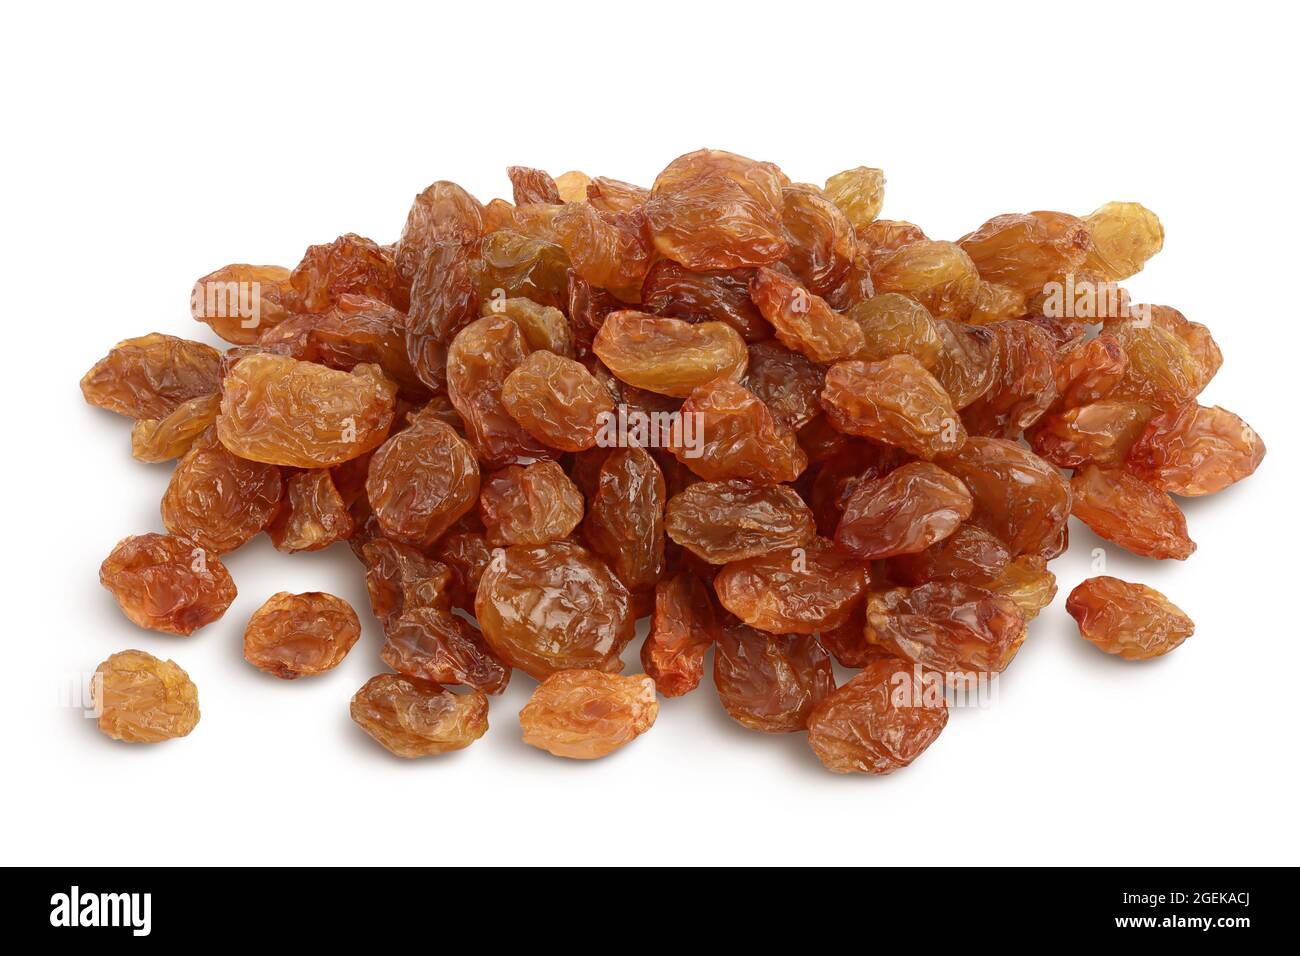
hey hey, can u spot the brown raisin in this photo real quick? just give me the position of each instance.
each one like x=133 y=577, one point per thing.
x=1132 y=621
x=413 y=718
x=166 y=583
x=300 y=635
x=143 y=700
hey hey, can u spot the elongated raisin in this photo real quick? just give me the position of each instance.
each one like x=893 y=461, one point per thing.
x=300 y=635
x=895 y=401
x=218 y=499
x=529 y=504
x=669 y=356
x=586 y=714
x=162 y=439
x=433 y=644
x=312 y=514
x=413 y=718
x=804 y=322
x=150 y=376
x=727 y=432
x=682 y=631
x=625 y=518
x=906 y=511
x=1132 y=621
x=793 y=590
x=1127 y=511
x=946 y=626
x=166 y=583
x=1194 y=450
x=770 y=682
x=724 y=521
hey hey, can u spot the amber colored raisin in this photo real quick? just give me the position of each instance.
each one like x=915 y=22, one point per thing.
x=669 y=356
x=443 y=212
x=965 y=365
x=904 y=512
x=300 y=635
x=431 y=643
x=240 y=301
x=1162 y=368
x=625 y=517
x=1132 y=621
x=614 y=195
x=770 y=682
x=532 y=186
x=939 y=275
x=1090 y=371
x=859 y=192
x=218 y=499
x=820 y=239
x=350 y=265
x=413 y=718
x=724 y=521
x=1124 y=236
x=553 y=607
x=719 y=295
x=525 y=266
x=715 y=210
x=444 y=299
x=787 y=382
x=312 y=515
x=480 y=359
x=946 y=625
x=1024 y=386
x=1127 y=511
x=803 y=321
x=1101 y=433
x=586 y=714
x=612 y=251
x=893 y=324
x=793 y=590
x=894 y=401
x=150 y=376
x=572 y=186
x=970 y=555
x=543 y=326
x=557 y=401
x=399 y=579
x=727 y=432
x=529 y=504
x=996 y=303
x=867 y=726
x=162 y=439
x=140 y=699
x=1026 y=581
x=1025 y=251
x=278 y=410
x=882 y=236
x=467 y=555
x=166 y=583
x=1018 y=496
x=421 y=481
x=1195 y=450
x=682 y=630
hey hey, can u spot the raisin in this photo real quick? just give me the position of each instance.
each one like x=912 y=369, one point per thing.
x=150 y=376
x=572 y=186
x=351 y=264
x=524 y=266
x=725 y=521
x=421 y=481
x=682 y=631
x=864 y=726
x=219 y=500
x=413 y=718
x=612 y=251
x=970 y=555
x=946 y=626
x=893 y=324
x=553 y=607
x=467 y=555
x=881 y=237
x=613 y=195
x=480 y=359
x=785 y=381
x=803 y=321
x=1124 y=236
x=894 y=401
x=996 y=303
x=557 y=401
x=312 y=515
x=1194 y=450
x=300 y=635
x=442 y=213
x=720 y=295
x=625 y=518
x=444 y=299
x=1024 y=385
x=939 y=275
x=1127 y=511
x=240 y=302
x=1132 y=621
x=965 y=366
x=1018 y=496
x=1026 y=581
x=532 y=186
x=1025 y=251
x=278 y=410
x=143 y=700
x=1089 y=372
x=543 y=326
x=669 y=356
x=859 y=192
x=166 y=583
x=400 y=578
x=1101 y=433
x=431 y=643
x=1161 y=369
x=529 y=505
x=586 y=714
x=906 y=511
x=162 y=439
x=736 y=436
x=820 y=239
x=793 y=590
x=715 y=210
x=770 y=682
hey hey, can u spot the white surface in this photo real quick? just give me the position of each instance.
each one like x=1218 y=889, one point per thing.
x=145 y=149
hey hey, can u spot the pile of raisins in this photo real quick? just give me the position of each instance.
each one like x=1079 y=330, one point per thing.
x=750 y=410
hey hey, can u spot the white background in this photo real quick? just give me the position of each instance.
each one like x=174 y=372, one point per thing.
x=144 y=148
